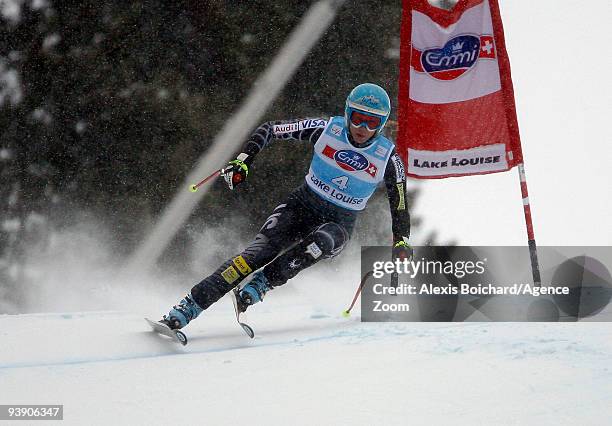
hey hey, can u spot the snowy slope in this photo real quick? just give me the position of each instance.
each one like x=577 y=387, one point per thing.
x=307 y=366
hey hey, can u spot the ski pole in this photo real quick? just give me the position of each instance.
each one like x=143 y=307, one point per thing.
x=363 y=280
x=194 y=187
x=236 y=178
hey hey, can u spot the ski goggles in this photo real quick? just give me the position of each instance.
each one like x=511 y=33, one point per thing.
x=372 y=122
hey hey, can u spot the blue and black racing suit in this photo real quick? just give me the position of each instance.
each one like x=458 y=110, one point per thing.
x=317 y=219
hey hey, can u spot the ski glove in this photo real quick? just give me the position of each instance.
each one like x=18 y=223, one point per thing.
x=402 y=250
x=235 y=172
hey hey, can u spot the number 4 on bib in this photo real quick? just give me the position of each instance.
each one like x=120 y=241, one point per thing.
x=341 y=181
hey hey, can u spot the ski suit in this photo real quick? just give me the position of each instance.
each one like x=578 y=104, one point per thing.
x=317 y=219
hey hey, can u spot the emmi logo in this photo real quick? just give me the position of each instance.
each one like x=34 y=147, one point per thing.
x=351 y=160
x=456 y=57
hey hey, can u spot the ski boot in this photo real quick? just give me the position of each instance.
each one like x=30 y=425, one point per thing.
x=253 y=292
x=180 y=315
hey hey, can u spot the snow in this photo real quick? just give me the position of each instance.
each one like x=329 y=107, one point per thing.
x=307 y=366
x=10 y=85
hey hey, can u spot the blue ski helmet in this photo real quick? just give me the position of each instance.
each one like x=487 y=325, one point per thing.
x=370 y=99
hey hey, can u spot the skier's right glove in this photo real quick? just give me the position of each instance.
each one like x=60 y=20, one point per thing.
x=235 y=172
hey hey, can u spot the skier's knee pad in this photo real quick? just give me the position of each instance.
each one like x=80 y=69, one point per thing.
x=330 y=238
x=324 y=242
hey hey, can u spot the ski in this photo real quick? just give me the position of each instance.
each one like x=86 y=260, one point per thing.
x=245 y=327
x=163 y=329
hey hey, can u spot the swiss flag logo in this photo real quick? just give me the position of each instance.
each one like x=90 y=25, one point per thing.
x=487 y=47
x=372 y=170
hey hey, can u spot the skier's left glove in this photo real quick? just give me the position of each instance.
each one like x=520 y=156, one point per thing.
x=236 y=172
x=402 y=250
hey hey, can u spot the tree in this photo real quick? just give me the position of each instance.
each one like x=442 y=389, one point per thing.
x=106 y=105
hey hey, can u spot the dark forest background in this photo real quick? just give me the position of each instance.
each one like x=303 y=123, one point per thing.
x=106 y=105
